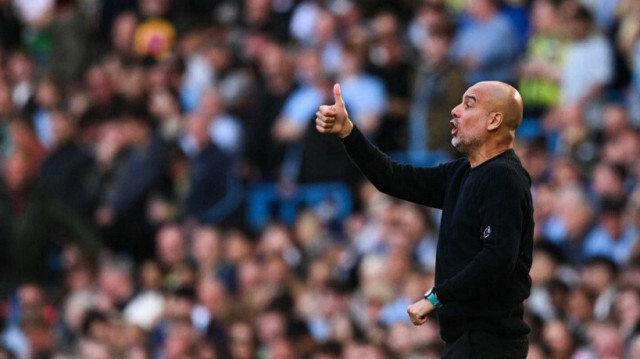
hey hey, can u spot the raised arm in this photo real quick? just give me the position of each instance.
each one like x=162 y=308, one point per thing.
x=416 y=184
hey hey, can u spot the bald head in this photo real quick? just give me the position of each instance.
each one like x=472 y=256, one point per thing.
x=503 y=98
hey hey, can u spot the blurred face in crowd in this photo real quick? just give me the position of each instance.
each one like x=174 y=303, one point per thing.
x=220 y=57
x=558 y=337
x=399 y=339
x=536 y=352
x=94 y=349
x=211 y=104
x=275 y=63
x=151 y=275
x=606 y=182
x=579 y=29
x=178 y=307
x=63 y=126
x=206 y=247
x=257 y=11
x=627 y=308
x=615 y=121
x=574 y=210
x=154 y=8
x=481 y=9
x=170 y=245
x=132 y=82
x=179 y=343
x=19 y=67
x=163 y=104
x=605 y=338
x=47 y=94
x=544 y=16
x=6 y=102
x=115 y=283
x=352 y=62
x=319 y=274
x=309 y=67
x=580 y=306
x=99 y=85
x=543 y=267
x=242 y=341
x=18 y=171
x=272 y=326
x=435 y=49
x=211 y=293
x=237 y=247
x=124 y=27
x=325 y=27
x=197 y=125
x=596 y=278
x=283 y=348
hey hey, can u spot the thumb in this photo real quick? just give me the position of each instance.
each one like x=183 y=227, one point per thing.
x=337 y=95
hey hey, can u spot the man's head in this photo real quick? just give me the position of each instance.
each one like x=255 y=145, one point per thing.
x=580 y=23
x=483 y=9
x=489 y=114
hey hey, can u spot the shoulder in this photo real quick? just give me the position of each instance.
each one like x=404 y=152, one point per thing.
x=454 y=168
x=505 y=173
x=458 y=163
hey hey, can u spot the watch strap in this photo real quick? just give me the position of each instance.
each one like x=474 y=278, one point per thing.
x=431 y=297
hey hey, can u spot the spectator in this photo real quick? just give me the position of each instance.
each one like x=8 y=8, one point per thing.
x=487 y=46
x=541 y=67
x=588 y=49
x=215 y=191
x=597 y=275
x=71 y=44
x=28 y=247
x=66 y=169
x=611 y=237
x=366 y=93
x=122 y=214
x=431 y=102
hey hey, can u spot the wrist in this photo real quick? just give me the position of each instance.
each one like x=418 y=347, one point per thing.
x=432 y=297
x=346 y=129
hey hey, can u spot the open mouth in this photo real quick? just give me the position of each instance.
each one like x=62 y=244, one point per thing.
x=454 y=128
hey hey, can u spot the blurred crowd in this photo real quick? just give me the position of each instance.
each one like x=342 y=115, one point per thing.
x=164 y=193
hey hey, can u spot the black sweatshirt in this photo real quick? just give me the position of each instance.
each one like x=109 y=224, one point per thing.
x=486 y=233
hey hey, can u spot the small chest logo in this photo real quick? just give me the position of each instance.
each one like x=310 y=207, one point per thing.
x=487 y=232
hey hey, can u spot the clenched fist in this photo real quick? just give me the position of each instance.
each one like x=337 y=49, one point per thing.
x=334 y=118
x=419 y=310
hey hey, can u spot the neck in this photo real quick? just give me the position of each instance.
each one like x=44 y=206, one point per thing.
x=482 y=155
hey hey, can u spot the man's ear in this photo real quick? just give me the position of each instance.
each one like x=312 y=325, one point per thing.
x=494 y=121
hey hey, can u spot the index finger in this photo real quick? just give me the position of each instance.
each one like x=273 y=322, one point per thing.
x=327 y=110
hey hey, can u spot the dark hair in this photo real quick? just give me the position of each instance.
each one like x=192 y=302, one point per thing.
x=445 y=28
x=551 y=249
x=582 y=14
x=612 y=205
x=602 y=261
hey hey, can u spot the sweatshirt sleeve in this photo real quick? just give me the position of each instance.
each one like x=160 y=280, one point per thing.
x=502 y=202
x=422 y=185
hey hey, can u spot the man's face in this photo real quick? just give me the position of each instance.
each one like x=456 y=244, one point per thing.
x=468 y=123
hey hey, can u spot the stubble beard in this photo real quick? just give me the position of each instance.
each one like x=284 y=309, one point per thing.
x=465 y=146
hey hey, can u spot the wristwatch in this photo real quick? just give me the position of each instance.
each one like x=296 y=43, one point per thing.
x=433 y=298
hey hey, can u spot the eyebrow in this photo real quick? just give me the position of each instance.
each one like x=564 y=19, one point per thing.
x=471 y=97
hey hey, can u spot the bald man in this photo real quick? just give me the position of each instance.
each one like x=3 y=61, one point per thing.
x=486 y=230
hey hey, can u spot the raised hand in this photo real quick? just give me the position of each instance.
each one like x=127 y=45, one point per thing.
x=334 y=118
